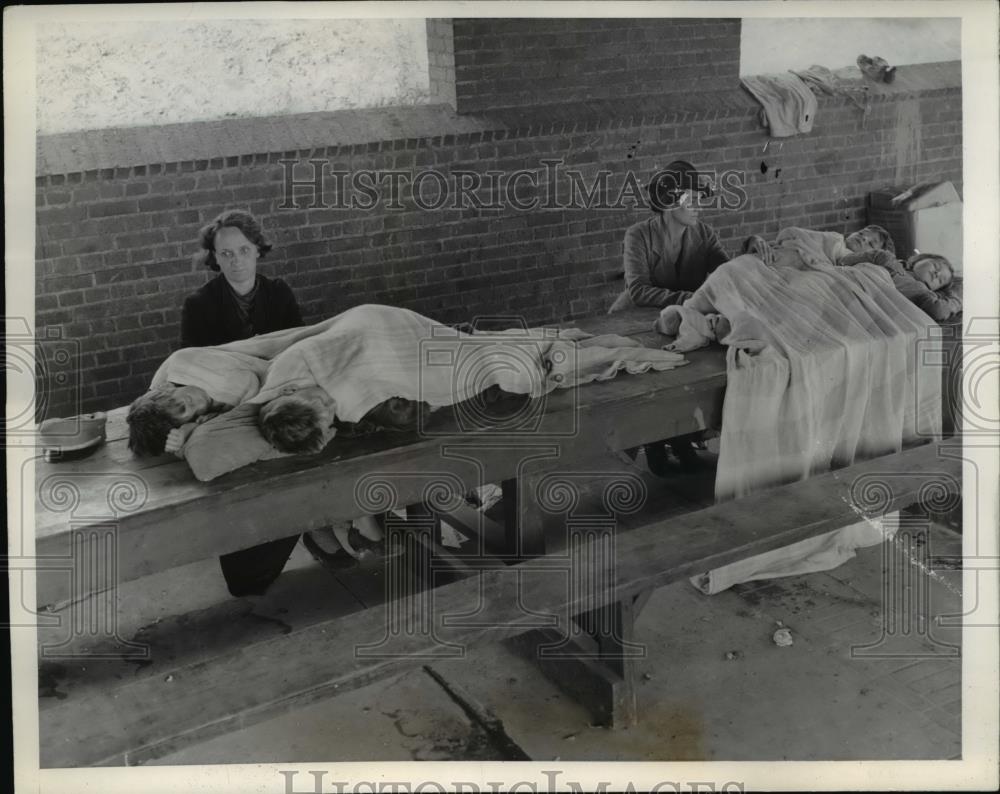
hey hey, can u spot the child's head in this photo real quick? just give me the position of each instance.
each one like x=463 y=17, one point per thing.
x=871 y=238
x=299 y=421
x=933 y=270
x=152 y=416
x=395 y=412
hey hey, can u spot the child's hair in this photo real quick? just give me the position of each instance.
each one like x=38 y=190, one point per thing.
x=291 y=426
x=150 y=419
x=918 y=258
x=396 y=412
x=885 y=239
x=230 y=219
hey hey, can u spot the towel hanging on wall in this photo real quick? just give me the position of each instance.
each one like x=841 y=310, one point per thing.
x=789 y=107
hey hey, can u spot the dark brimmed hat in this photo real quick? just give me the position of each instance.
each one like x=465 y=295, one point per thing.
x=668 y=183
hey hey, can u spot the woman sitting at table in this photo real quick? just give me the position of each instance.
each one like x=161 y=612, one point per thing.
x=237 y=304
x=667 y=257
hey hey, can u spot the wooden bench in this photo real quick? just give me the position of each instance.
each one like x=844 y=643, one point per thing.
x=108 y=721
x=151 y=516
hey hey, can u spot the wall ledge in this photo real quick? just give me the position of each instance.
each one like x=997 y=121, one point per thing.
x=198 y=146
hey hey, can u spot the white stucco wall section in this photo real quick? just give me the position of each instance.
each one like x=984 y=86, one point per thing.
x=130 y=74
x=775 y=45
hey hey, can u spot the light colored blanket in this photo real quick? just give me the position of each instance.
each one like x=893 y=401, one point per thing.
x=789 y=106
x=812 y=248
x=370 y=353
x=825 y=366
x=822 y=368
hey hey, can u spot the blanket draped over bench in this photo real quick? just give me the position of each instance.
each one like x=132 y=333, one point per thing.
x=825 y=366
x=371 y=353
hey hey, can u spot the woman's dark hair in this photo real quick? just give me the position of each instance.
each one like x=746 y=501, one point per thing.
x=231 y=219
x=667 y=184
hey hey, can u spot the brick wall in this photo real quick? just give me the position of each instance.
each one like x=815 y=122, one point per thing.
x=114 y=244
x=441 y=61
x=501 y=63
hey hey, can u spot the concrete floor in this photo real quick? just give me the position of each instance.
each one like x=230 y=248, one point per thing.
x=811 y=701
x=868 y=677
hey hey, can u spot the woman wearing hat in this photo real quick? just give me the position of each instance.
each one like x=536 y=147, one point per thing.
x=668 y=256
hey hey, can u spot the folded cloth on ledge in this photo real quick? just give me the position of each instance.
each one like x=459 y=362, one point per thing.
x=789 y=106
x=371 y=353
x=825 y=366
x=844 y=82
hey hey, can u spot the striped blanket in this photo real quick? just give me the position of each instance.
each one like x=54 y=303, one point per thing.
x=825 y=366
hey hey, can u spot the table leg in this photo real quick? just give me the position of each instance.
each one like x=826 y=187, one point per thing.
x=524 y=534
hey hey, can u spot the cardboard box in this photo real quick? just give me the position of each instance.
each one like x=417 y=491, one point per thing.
x=927 y=219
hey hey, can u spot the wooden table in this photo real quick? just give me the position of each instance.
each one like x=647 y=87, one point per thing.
x=152 y=515
x=159 y=516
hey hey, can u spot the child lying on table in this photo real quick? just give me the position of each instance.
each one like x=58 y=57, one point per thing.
x=363 y=366
x=796 y=247
x=928 y=281
x=163 y=419
x=367 y=355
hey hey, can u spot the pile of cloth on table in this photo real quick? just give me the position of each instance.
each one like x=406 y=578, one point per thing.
x=372 y=353
x=825 y=366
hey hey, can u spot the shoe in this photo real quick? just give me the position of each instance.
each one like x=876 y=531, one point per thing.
x=338 y=560
x=73 y=433
x=877 y=68
x=369 y=552
x=686 y=456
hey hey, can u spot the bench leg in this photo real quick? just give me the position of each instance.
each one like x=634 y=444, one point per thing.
x=596 y=667
x=613 y=630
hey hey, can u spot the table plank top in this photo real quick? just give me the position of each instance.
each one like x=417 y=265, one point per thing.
x=114 y=482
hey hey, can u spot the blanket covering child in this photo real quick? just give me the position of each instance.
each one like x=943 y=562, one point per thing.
x=825 y=366
x=371 y=353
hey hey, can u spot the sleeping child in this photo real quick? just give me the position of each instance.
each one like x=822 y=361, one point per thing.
x=287 y=392
x=929 y=282
x=798 y=248
x=368 y=364
x=163 y=419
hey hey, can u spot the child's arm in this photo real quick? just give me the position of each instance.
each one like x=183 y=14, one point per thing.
x=881 y=258
x=177 y=438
